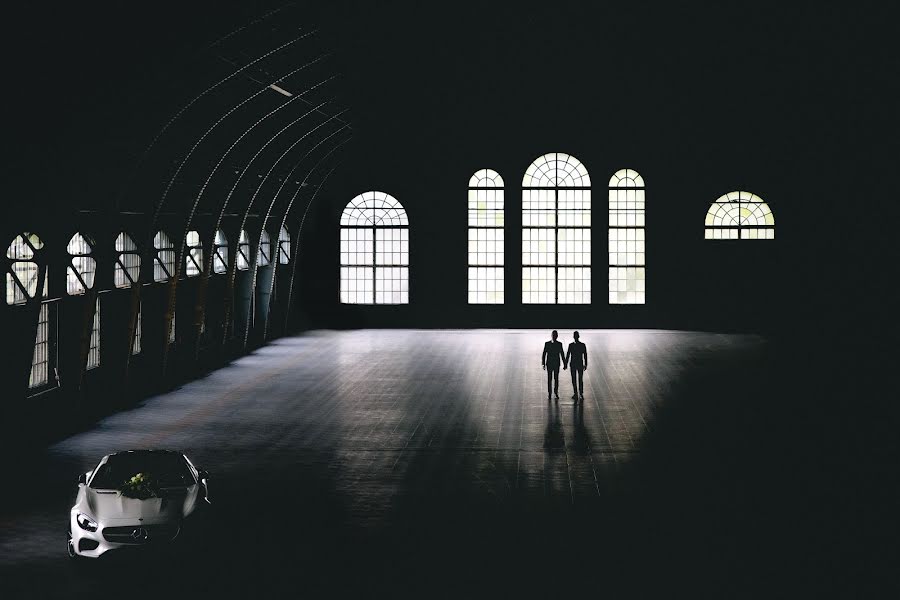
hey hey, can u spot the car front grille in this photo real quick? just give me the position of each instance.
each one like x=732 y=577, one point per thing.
x=140 y=534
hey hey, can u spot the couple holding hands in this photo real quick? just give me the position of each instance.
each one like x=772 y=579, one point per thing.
x=575 y=357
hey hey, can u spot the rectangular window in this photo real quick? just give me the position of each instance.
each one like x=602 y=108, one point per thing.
x=556 y=246
x=93 y=359
x=391 y=285
x=357 y=285
x=136 y=345
x=485 y=285
x=627 y=255
x=40 y=361
x=538 y=285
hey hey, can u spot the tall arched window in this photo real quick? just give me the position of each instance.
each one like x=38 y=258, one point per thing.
x=243 y=252
x=486 y=238
x=556 y=231
x=374 y=251
x=22 y=276
x=128 y=262
x=264 y=257
x=193 y=260
x=284 y=246
x=164 y=262
x=627 y=268
x=220 y=252
x=82 y=267
x=740 y=215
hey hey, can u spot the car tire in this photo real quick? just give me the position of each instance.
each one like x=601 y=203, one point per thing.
x=70 y=547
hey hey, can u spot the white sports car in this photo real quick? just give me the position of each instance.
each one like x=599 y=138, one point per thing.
x=133 y=499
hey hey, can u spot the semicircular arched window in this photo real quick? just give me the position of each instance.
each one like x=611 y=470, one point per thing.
x=164 y=261
x=264 y=256
x=627 y=256
x=374 y=251
x=740 y=215
x=486 y=238
x=243 y=252
x=220 y=252
x=284 y=246
x=82 y=266
x=22 y=276
x=128 y=262
x=193 y=260
x=556 y=231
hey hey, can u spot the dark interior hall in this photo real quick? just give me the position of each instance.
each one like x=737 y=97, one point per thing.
x=182 y=272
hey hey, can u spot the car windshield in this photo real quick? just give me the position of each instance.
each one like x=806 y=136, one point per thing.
x=167 y=469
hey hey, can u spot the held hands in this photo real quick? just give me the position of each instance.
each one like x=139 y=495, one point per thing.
x=544 y=367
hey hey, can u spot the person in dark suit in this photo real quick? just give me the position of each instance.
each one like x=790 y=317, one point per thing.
x=576 y=357
x=550 y=361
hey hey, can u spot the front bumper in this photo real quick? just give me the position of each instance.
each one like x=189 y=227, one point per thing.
x=93 y=544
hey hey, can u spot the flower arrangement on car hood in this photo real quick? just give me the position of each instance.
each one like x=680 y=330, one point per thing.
x=140 y=487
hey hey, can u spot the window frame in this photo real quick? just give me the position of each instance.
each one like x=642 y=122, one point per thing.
x=382 y=207
x=577 y=179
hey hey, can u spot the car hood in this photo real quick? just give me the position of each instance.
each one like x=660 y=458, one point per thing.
x=111 y=507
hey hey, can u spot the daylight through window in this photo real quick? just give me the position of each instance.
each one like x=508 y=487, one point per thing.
x=374 y=251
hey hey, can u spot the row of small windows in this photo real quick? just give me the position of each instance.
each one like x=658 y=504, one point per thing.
x=22 y=276
x=556 y=237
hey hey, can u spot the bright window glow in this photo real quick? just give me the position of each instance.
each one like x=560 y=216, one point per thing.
x=740 y=215
x=374 y=231
x=284 y=246
x=40 y=361
x=136 y=345
x=164 y=263
x=82 y=268
x=486 y=238
x=556 y=231
x=93 y=358
x=22 y=276
x=243 y=252
x=264 y=258
x=128 y=263
x=193 y=260
x=626 y=238
x=220 y=256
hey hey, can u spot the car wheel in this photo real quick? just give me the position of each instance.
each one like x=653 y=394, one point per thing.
x=70 y=547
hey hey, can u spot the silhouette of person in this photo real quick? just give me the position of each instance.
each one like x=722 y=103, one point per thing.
x=550 y=361
x=577 y=358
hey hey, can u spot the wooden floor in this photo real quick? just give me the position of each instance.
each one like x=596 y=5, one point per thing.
x=433 y=458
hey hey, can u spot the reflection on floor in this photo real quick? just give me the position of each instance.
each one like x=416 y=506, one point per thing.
x=431 y=463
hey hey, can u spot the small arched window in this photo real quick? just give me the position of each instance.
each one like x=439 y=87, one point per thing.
x=740 y=215
x=164 y=262
x=556 y=231
x=193 y=260
x=220 y=250
x=243 y=252
x=22 y=276
x=82 y=267
x=374 y=251
x=264 y=257
x=486 y=239
x=128 y=262
x=627 y=257
x=284 y=246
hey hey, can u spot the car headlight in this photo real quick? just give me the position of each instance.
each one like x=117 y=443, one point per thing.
x=85 y=522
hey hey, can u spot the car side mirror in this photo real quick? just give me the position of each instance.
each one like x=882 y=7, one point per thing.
x=82 y=479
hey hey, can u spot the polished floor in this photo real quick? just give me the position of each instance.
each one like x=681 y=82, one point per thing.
x=430 y=463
